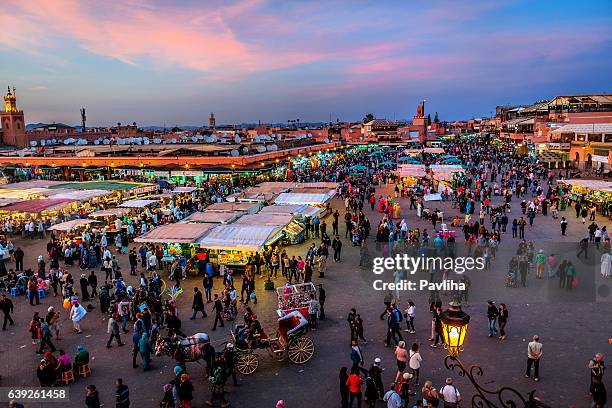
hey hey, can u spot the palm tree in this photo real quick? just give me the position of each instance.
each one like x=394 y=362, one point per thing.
x=368 y=118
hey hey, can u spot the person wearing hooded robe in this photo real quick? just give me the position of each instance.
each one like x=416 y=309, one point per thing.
x=606 y=265
x=145 y=351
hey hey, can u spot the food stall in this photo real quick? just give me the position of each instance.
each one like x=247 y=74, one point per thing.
x=598 y=192
x=179 y=239
x=409 y=174
x=232 y=244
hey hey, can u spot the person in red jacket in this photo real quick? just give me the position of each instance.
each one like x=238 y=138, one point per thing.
x=354 y=384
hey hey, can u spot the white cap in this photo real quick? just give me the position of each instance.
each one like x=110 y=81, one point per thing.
x=407 y=376
x=377 y=360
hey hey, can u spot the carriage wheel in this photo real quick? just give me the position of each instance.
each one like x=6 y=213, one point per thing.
x=247 y=363
x=301 y=350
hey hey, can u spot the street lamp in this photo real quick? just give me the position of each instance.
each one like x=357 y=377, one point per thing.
x=454 y=327
x=455 y=324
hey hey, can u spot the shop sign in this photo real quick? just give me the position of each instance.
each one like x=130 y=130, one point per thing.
x=145 y=189
x=596 y=158
x=187 y=173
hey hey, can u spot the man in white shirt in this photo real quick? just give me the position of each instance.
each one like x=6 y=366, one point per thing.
x=450 y=394
x=534 y=353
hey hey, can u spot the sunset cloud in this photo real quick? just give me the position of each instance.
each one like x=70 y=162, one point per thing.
x=232 y=51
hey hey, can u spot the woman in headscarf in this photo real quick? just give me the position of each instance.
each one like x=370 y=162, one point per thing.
x=46 y=373
x=81 y=357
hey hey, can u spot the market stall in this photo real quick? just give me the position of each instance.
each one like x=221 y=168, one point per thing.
x=138 y=203
x=314 y=199
x=445 y=171
x=598 y=192
x=241 y=207
x=232 y=244
x=180 y=233
x=303 y=210
x=215 y=217
x=68 y=226
x=409 y=174
x=111 y=212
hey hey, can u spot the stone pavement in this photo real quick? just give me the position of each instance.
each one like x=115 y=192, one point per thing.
x=572 y=327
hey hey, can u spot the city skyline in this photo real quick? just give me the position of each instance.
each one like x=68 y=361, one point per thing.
x=158 y=63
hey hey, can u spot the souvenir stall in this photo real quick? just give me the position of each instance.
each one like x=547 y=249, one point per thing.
x=295 y=298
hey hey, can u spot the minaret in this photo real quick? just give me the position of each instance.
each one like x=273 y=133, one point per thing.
x=212 y=122
x=13 y=123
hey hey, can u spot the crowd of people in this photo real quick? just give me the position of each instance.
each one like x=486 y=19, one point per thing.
x=495 y=178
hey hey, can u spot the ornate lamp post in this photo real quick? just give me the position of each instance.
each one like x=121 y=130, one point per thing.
x=455 y=324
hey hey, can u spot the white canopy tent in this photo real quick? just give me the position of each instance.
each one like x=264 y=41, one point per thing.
x=141 y=203
x=111 y=212
x=294 y=209
x=185 y=189
x=72 y=224
x=303 y=198
x=215 y=217
x=446 y=171
x=596 y=185
x=280 y=220
x=179 y=233
x=238 y=237
x=411 y=170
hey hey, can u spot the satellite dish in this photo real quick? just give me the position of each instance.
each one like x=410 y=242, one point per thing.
x=326 y=140
x=222 y=141
x=33 y=143
x=21 y=153
x=54 y=141
x=261 y=149
x=234 y=153
x=245 y=150
x=97 y=142
x=237 y=139
x=146 y=141
x=157 y=140
x=173 y=141
x=106 y=141
x=194 y=139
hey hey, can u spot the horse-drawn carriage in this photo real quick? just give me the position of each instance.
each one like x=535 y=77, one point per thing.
x=290 y=341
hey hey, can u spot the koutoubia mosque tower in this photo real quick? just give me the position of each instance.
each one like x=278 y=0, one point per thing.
x=13 y=123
